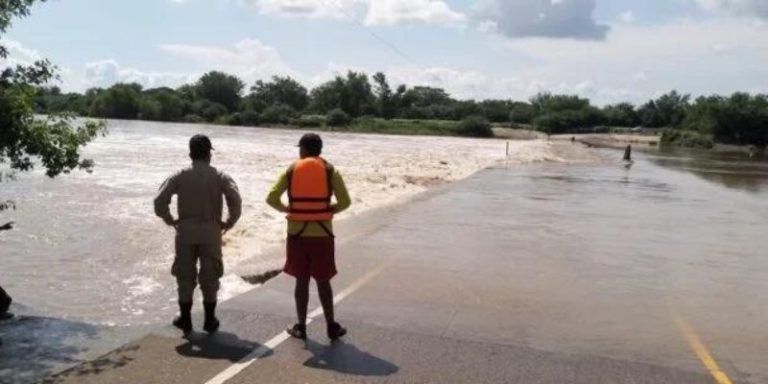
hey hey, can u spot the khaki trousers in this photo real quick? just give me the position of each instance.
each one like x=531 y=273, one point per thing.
x=185 y=268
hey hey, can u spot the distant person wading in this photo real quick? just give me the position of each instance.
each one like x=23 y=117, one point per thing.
x=199 y=229
x=311 y=182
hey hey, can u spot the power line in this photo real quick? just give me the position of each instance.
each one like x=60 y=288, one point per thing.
x=376 y=36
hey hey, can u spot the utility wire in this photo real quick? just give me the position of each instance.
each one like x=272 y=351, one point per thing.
x=376 y=36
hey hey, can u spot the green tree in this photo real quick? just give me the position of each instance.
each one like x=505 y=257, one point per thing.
x=353 y=94
x=669 y=110
x=521 y=113
x=25 y=141
x=621 y=115
x=496 y=111
x=385 y=100
x=475 y=126
x=170 y=103
x=120 y=101
x=281 y=90
x=547 y=103
x=220 y=88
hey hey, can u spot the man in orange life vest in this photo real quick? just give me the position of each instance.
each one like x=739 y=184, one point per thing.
x=311 y=182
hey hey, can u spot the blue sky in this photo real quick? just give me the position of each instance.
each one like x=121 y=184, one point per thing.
x=608 y=50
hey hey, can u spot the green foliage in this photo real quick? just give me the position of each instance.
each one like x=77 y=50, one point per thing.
x=120 y=101
x=544 y=103
x=281 y=90
x=621 y=115
x=278 y=114
x=401 y=127
x=54 y=142
x=740 y=119
x=688 y=139
x=569 y=121
x=386 y=101
x=667 y=111
x=338 y=118
x=475 y=126
x=521 y=113
x=310 y=121
x=220 y=88
x=352 y=94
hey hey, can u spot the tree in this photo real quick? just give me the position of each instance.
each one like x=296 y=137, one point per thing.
x=25 y=141
x=170 y=103
x=120 y=101
x=281 y=90
x=621 y=115
x=220 y=88
x=352 y=94
x=667 y=111
x=385 y=102
x=547 y=103
x=475 y=126
x=521 y=113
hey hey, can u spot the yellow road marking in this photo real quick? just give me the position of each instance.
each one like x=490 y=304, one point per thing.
x=701 y=351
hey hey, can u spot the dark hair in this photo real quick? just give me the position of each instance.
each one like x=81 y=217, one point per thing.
x=312 y=144
x=200 y=147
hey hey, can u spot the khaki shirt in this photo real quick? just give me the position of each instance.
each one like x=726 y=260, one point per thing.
x=199 y=189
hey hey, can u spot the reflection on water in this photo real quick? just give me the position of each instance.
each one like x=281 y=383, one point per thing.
x=733 y=170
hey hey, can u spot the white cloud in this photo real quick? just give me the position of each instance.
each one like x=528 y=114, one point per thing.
x=104 y=73
x=627 y=17
x=542 y=18
x=758 y=8
x=700 y=57
x=18 y=54
x=249 y=59
x=313 y=9
x=395 y=12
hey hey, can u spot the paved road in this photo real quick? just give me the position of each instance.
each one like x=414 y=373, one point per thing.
x=432 y=294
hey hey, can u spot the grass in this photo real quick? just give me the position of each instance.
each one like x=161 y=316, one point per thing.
x=397 y=127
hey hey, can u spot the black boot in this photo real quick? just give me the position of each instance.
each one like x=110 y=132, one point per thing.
x=211 y=322
x=184 y=320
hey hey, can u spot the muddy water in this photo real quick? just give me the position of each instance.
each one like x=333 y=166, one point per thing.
x=88 y=247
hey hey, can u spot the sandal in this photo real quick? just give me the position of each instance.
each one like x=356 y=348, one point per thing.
x=298 y=331
x=335 y=331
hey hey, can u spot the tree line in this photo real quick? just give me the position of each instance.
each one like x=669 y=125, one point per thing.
x=222 y=98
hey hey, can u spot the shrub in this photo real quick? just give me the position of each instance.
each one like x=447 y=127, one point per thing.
x=687 y=139
x=192 y=118
x=338 y=118
x=475 y=126
x=250 y=118
x=278 y=114
x=310 y=121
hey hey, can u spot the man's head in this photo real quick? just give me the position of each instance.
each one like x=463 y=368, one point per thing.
x=310 y=145
x=200 y=148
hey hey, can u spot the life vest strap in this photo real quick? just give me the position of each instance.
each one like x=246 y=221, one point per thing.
x=310 y=211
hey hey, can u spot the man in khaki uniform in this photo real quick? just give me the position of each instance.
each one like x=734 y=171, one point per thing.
x=199 y=229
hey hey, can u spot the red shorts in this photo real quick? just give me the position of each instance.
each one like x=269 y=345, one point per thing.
x=311 y=257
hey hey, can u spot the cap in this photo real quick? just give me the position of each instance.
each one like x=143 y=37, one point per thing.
x=311 y=141
x=200 y=144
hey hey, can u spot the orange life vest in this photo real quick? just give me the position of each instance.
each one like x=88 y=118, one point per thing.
x=310 y=190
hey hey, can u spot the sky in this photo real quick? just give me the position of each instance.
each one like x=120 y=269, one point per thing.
x=607 y=50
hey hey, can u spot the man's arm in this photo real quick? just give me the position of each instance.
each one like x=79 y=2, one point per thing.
x=340 y=191
x=234 y=202
x=163 y=200
x=274 y=198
